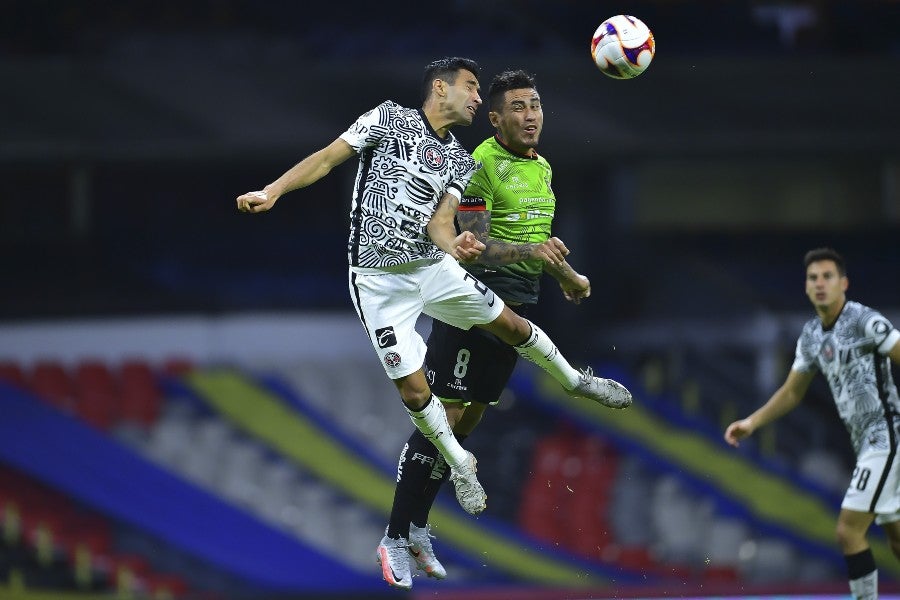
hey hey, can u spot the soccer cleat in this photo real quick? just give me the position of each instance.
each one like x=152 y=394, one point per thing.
x=393 y=556
x=469 y=492
x=605 y=391
x=421 y=550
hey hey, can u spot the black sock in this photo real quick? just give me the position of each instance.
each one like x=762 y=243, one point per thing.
x=862 y=574
x=419 y=463
x=860 y=564
x=436 y=479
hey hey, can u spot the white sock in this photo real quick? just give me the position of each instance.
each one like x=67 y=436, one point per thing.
x=432 y=422
x=866 y=587
x=541 y=350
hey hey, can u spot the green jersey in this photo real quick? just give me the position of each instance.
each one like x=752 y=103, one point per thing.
x=516 y=190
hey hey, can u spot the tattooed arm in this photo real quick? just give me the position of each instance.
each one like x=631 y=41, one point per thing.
x=498 y=252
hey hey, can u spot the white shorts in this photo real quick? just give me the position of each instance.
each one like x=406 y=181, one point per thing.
x=875 y=486
x=389 y=302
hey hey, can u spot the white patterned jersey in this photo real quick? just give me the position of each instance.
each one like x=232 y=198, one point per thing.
x=404 y=170
x=852 y=355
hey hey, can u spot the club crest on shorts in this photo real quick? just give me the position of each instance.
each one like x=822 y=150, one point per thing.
x=392 y=359
x=385 y=337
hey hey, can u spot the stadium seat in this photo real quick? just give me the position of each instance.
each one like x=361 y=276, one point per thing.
x=637 y=558
x=724 y=538
x=539 y=512
x=97 y=394
x=177 y=365
x=826 y=468
x=589 y=488
x=131 y=572
x=720 y=574
x=51 y=382
x=13 y=374
x=140 y=396
x=165 y=587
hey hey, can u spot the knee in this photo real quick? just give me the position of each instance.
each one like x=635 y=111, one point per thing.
x=510 y=327
x=414 y=391
x=850 y=539
x=415 y=399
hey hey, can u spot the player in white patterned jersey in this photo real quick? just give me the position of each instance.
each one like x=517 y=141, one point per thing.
x=853 y=346
x=850 y=356
x=404 y=250
x=399 y=183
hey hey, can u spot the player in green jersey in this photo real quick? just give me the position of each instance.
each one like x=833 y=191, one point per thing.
x=509 y=205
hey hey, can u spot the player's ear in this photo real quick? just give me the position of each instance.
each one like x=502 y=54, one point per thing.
x=495 y=118
x=439 y=87
x=845 y=283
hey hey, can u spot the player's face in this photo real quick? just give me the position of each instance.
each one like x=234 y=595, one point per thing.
x=520 y=120
x=463 y=98
x=825 y=286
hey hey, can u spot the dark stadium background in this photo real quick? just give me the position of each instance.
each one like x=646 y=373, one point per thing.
x=688 y=195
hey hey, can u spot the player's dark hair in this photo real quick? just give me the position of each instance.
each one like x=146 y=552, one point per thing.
x=446 y=69
x=826 y=254
x=508 y=80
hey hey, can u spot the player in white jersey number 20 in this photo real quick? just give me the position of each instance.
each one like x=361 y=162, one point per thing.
x=403 y=253
x=852 y=345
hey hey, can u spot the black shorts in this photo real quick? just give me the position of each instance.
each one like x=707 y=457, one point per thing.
x=468 y=366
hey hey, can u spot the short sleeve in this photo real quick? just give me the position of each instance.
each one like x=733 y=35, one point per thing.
x=803 y=359
x=371 y=127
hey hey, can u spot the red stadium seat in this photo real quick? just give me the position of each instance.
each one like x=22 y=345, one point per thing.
x=168 y=587
x=130 y=572
x=97 y=394
x=51 y=382
x=544 y=492
x=140 y=394
x=720 y=574
x=177 y=366
x=13 y=374
x=637 y=558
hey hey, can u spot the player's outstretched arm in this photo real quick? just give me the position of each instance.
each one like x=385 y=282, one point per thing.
x=785 y=399
x=308 y=171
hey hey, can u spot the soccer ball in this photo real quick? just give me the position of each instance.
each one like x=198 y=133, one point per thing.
x=622 y=47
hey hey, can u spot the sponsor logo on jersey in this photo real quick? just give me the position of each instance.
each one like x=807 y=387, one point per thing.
x=392 y=359
x=385 y=337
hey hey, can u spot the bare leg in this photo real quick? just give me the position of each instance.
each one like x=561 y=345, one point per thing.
x=851 y=533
